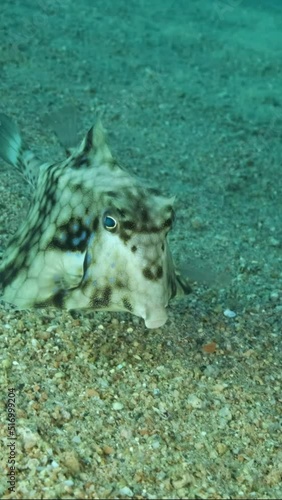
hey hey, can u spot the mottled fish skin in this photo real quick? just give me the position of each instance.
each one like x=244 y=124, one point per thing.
x=94 y=237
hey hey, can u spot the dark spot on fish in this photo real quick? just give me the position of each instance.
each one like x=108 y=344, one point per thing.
x=74 y=187
x=119 y=284
x=168 y=222
x=153 y=276
x=72 y=236
x=57 y=300
x=127 y=305
x=51 y=182
x=8 y=275
x=101 y=298
x=112 y=194
x=95 y=224
x=81 y=160
x=159 y=273
x=147 y=273
x=128 y=224
x=88 y=141
x=121 y=212
x=21 y=259
x=124 y=236
x=133 y=248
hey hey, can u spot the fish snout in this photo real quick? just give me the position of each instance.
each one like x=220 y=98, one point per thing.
x=155 y=317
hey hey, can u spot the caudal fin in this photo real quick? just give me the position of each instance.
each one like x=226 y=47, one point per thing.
x=14 y=151
x=10 y=141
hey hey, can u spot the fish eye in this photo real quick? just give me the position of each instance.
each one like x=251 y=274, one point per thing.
x=109 y=223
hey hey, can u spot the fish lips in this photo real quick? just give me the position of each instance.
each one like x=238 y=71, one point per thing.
x=156 y=319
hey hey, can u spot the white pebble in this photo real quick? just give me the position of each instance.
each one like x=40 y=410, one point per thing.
x=125 y=491
x=229 y=314
x=68 y=482
x=155 y=444
x=117 y=405
x=274 y=296
x=225 y=413
x=194 y=401
x=30 y=439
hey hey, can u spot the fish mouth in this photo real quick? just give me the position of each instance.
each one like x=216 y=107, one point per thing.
x=156 y=321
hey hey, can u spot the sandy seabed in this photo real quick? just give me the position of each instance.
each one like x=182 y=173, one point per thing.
x=190 y=93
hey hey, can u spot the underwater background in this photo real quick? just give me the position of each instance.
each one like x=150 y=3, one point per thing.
x=190 y=95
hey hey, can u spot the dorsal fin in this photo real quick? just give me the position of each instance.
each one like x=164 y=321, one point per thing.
x=93 y=145
x=93 y=149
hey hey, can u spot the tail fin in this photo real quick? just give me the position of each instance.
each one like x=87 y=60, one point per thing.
x=14 y=151
x=10 y=141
